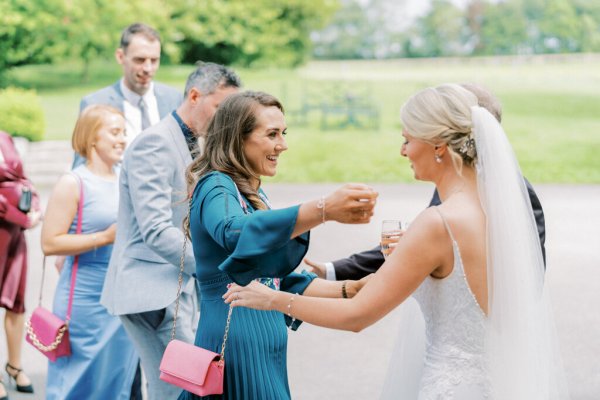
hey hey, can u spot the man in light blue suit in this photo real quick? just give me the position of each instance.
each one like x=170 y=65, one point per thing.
x=142 y=278
x=143 y=100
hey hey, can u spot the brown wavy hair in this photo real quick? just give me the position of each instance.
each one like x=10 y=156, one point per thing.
x=233 y=122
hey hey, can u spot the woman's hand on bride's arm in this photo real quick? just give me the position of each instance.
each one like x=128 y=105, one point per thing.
x=353 y=287
x=334 y=289
x=358 y=285
x=254 y=295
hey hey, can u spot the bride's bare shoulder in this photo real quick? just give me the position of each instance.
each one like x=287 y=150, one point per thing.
x=464 y=216
x=428 y=224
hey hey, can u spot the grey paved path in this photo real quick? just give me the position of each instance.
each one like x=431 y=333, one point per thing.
x=328 y=364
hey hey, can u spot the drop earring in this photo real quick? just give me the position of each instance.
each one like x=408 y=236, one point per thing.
x=438 y=159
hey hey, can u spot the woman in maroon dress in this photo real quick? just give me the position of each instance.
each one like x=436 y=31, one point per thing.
x=13 y=255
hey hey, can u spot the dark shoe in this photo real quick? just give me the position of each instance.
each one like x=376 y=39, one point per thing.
x=14 y=376
x=5 y=397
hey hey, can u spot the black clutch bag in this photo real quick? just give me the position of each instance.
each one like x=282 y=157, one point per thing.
x=25 y=200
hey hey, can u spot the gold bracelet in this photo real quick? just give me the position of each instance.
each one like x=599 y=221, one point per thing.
x=344 y=293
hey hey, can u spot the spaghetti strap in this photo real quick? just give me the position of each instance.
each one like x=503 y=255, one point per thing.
x=445 y=223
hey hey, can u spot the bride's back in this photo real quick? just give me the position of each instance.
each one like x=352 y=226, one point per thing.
x=453 y=300
x=466 y=222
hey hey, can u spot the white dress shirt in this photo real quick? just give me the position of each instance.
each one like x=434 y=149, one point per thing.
x=330 y=272
x=133 y=114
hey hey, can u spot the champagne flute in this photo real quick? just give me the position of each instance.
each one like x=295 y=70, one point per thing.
x=391 y=230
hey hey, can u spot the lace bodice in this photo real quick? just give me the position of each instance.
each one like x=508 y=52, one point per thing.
x=454 y=365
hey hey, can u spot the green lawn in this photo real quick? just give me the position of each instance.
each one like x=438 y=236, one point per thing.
x=551 y=111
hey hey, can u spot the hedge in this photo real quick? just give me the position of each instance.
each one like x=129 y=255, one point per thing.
x=21 y=113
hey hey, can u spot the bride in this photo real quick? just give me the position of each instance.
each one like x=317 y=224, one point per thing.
x=473 y=264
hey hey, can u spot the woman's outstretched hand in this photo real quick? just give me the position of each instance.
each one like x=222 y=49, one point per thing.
x=254 y=295
x=317 y=268
x=353 y=203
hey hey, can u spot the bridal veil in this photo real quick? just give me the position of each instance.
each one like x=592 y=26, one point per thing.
x=521 y=344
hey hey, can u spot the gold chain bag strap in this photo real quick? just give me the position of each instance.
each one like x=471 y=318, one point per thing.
x=45 y=327
x=192 y=368
x=45 y=330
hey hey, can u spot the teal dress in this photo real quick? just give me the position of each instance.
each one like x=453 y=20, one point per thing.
x=235 y=243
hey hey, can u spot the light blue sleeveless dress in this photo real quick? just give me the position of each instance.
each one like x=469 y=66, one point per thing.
x=103 y=361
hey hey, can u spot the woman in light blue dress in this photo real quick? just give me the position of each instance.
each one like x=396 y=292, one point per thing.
x=103 y=361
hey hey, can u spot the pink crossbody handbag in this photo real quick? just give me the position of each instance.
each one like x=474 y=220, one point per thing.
x=192 y=368
x=46 y=331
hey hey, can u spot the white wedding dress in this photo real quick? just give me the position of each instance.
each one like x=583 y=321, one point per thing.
x=453 y=365
x=459 y=353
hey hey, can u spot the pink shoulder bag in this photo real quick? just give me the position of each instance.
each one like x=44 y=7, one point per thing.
x=192 y=368
x=45 y=331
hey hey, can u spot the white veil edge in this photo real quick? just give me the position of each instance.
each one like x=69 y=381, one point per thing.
x=522 y=344
x=406 y=361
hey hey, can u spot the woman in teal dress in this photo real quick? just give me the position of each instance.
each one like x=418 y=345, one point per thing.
x=237 y=237
x=103 y=360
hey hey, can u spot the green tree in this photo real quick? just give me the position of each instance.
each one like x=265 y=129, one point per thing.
x=348 y=35
x=559 y=28
x=441 y=32
x=30 y=33
x=260 y=32
x=503 y=29
x=45 y=31
x=360 y=30
x=267 y=32
x=93 y=28
x=589 y=14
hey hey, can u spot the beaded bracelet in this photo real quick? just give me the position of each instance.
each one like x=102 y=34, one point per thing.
x=289 y=311
x=344 y=293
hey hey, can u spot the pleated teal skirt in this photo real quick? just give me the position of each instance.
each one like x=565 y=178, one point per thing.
x=256 y=349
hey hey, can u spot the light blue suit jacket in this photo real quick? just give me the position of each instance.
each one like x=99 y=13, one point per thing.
x=167 y=98
x=143 y=270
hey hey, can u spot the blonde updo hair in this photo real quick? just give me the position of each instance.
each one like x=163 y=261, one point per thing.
x=442 y=115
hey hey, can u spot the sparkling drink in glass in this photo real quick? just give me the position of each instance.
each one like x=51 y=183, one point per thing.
x=391 y=231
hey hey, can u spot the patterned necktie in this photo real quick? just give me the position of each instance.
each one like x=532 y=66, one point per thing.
x=145 y=115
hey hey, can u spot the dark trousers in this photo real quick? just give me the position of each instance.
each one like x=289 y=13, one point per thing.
x=136 y=386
